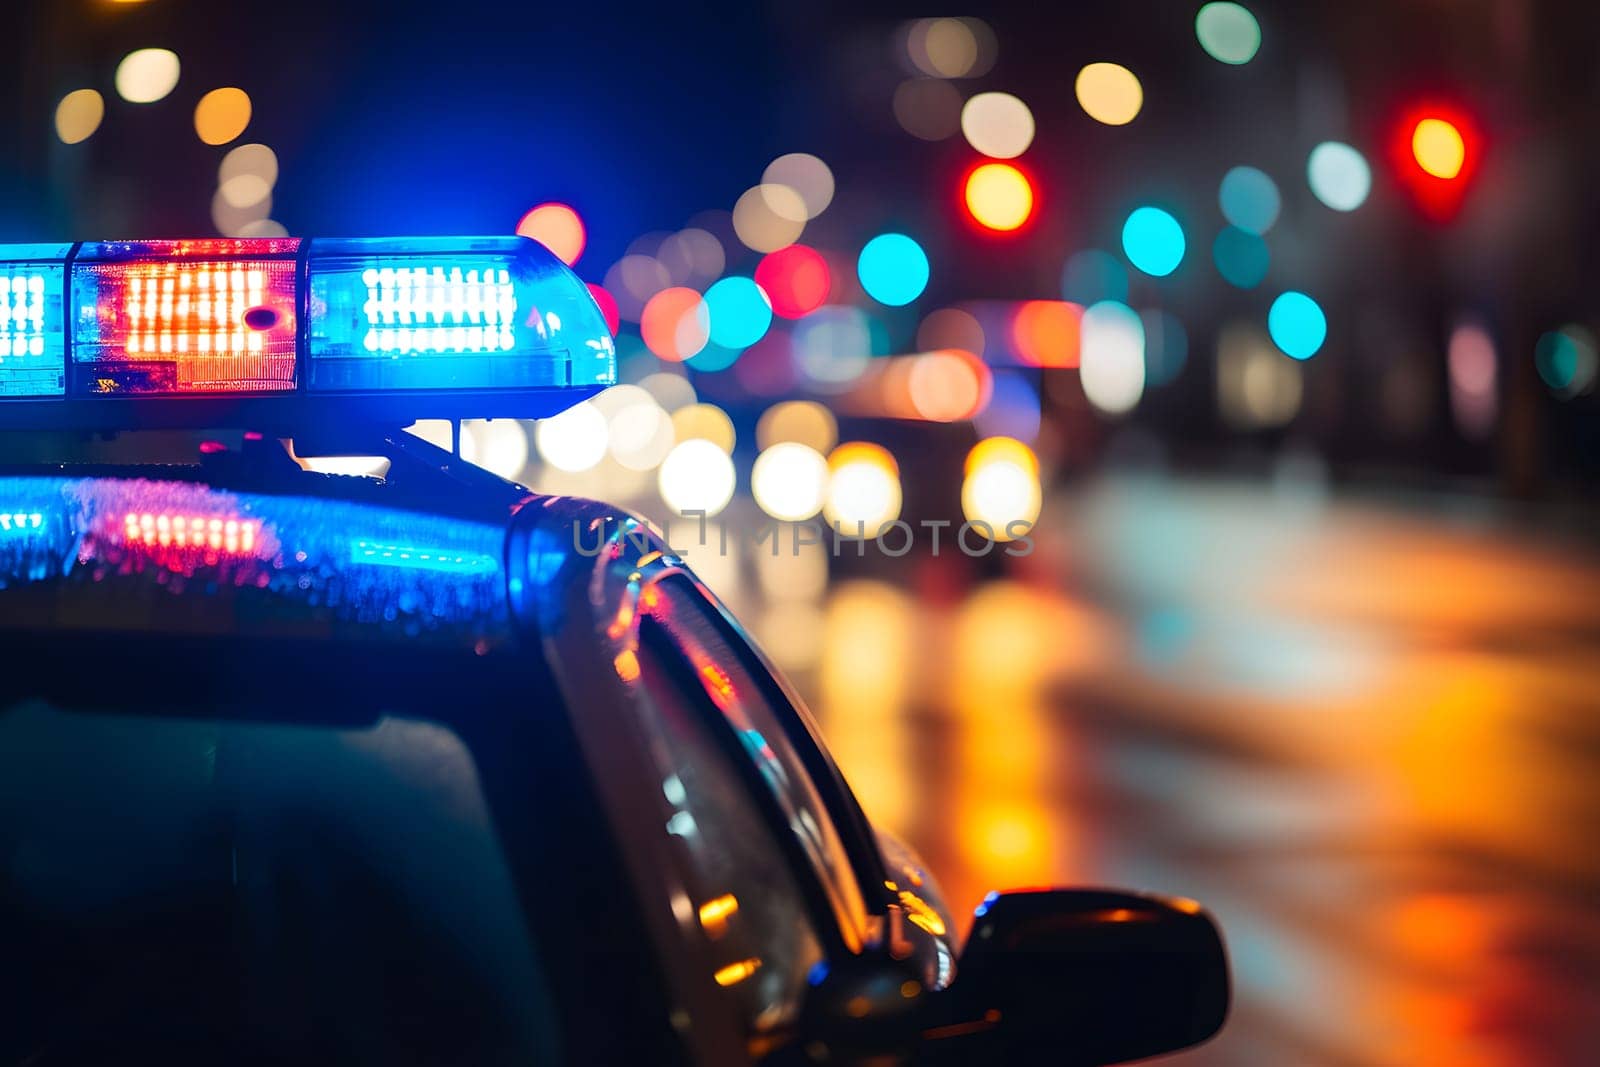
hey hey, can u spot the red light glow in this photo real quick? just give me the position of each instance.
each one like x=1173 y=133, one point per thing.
x=999 y=197
x=1436 y=150
x=189 y=326
x=230 y=535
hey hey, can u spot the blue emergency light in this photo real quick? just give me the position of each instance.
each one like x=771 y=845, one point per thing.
x=284 y=333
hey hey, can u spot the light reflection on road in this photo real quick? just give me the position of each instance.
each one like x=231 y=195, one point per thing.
x=1369 y=741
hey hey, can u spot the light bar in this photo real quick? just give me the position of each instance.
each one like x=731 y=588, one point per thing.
x=275 y=333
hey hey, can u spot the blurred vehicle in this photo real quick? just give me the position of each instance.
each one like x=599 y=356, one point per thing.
x=427 y=769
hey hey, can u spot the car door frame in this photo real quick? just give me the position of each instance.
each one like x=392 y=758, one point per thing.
x=900 y=920
x=576 y=572
x=564 y=605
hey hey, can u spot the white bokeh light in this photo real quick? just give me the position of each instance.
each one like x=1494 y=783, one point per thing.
x=997 y=124
x=999 y=493
x=790 y=481
x=641 y=432
x=696 y=476
x=1339 y=175
x=1112 y=360
x=574 y=440
x=147 y=75
x=863 y=491
x=499 y=445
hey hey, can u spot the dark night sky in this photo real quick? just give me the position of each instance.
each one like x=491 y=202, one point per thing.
x=439 y=117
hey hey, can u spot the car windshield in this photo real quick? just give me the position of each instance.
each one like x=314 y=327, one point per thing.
x=218 y=851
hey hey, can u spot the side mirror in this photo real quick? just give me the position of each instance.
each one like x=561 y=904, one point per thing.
x=1086 y=976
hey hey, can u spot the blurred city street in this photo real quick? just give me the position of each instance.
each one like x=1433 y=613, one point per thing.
x=1270 y=327
x=1365 y=736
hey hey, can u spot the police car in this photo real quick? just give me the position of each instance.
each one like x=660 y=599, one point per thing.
x=298 y=768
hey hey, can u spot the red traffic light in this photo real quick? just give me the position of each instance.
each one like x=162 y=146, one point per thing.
x=1436 y=151
x=999 y=197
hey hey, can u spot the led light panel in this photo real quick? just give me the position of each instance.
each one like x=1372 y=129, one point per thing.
x=187 y=324
x=32 y=339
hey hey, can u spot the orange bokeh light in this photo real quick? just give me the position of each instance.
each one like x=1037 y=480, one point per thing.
x=1001 y=450
x=558 y=228
x=948 y=385
x=999 y=197
x=674 y=324
x=944 y=385
x=852 y=452
x=1045 y=333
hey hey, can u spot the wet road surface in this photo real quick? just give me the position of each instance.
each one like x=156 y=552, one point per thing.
x=1368 y=739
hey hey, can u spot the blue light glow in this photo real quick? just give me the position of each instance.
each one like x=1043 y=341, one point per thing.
x=1249 y=199
x=32 y=346
x=381 y=554
x=265 y=562
x=1013 y=408
x=1297 y=325
x=1242 y=258
x=20 y=521
x=740 y=312
x=22 y=314
x=893 y=269
x=450 y=313
x=1153 y=241
x=439 y=309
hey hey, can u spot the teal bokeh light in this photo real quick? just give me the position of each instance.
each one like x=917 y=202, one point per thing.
x=1242 y=258
x=1567 y=360
x=1249 y=199
x=893 y=269
x=1228 y=32
x=1297 y=325
x=1166 y=346
x=740 y=312
x=1153 y=241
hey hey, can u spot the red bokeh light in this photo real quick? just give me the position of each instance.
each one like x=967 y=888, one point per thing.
x=1439 y=198
x=796 y=279
x=999 y=199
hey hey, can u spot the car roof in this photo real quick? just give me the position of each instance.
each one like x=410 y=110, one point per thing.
x=167 y=549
